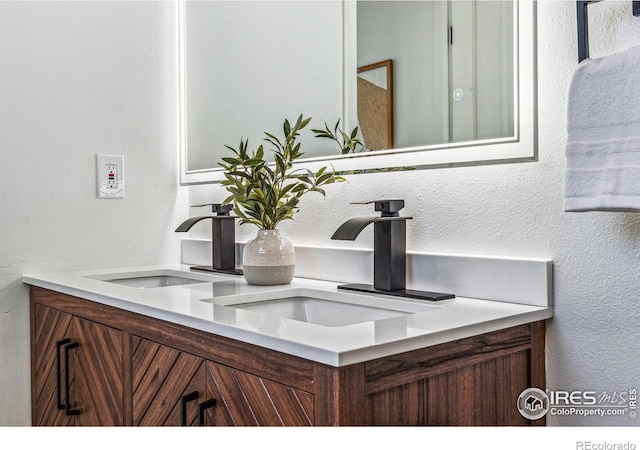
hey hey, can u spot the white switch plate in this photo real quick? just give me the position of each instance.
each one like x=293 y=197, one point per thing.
x=110 y=175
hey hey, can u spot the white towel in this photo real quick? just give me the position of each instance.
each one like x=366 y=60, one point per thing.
x=603 y=141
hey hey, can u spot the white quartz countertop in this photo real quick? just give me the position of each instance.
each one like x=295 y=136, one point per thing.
x=205 y=306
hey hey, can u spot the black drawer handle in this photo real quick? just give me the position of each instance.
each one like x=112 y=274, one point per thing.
x=59 y=345
x=67 y=407
x=183 y=406
x=202 y=407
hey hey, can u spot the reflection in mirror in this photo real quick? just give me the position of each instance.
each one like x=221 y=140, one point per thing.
x=453 y=68
x=248 y=65
x=462 y=89
x=375 y=104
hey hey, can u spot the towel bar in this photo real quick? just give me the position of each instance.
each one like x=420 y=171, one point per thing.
x=583 y=26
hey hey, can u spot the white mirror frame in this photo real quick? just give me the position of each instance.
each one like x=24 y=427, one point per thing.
x=520 y=148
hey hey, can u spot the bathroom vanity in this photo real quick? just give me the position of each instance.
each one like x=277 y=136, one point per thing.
x=106 y=353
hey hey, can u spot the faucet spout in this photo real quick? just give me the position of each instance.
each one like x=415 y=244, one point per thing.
x=223 y=241
x=350 y=230
x=187 y=224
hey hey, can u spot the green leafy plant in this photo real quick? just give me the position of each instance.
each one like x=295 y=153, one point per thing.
x=348 y=143
x=264 y=193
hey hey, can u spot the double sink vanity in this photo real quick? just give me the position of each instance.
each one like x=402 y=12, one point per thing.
x=168 y=346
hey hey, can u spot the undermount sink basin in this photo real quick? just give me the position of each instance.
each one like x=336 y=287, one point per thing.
x=153 y=279
x=331 y=313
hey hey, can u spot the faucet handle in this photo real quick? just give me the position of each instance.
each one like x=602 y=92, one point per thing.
x=387 y=207
x=219 y=208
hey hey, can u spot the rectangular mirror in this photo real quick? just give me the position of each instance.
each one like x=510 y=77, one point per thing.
x=446 y=82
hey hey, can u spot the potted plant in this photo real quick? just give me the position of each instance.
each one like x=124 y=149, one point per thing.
x=266 y=193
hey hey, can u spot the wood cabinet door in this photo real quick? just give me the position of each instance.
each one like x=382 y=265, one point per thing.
x=246 y=399
x=97 y=382
x=49 y=327
x=162 y=378
x=78 y=364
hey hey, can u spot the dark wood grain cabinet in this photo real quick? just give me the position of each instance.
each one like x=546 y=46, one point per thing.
x=130 y=369
x=172 y=387
x=167 y=384
x=77 y=370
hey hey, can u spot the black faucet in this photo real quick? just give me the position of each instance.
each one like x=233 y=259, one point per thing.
x=223 y=239
x=389 y=251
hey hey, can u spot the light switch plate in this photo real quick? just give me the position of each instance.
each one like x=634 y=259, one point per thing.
x=110 y=175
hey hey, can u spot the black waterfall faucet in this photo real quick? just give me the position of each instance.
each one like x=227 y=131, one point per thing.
x=223 y=239
x=389 y=251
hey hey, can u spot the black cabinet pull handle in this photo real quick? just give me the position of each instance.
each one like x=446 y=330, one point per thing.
x=59 y=345
x=67 y=407
x=202 y=407
x=183 y=406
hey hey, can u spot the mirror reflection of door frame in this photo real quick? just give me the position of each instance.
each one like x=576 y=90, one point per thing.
x=481 y=70
x=375 y=105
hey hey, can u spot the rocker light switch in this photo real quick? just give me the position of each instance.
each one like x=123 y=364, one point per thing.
x=110 y=174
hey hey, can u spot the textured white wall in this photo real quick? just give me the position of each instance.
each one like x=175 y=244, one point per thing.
x=593 y=341
x=77 y=79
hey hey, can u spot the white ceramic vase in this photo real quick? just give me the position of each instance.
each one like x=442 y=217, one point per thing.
x=268 y=259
